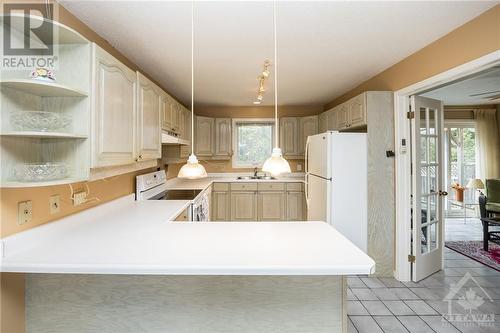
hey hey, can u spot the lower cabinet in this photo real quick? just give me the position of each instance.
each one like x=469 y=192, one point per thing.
x=244 y=206
x=271 y=206
x=258 y=202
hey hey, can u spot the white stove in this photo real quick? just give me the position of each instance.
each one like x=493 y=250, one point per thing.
x=153 y=186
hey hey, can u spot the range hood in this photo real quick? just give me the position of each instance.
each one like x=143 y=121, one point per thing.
x=168 y=138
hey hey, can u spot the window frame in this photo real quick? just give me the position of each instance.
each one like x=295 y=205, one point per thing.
x=235 y=122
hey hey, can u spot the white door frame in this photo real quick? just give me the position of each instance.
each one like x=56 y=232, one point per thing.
x=403 y=156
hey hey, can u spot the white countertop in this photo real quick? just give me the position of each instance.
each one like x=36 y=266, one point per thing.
x=201 y=184
x=129 y=237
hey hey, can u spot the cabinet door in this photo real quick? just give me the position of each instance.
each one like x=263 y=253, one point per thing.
x=357 y=111
x=166 y=113
x=223 y=140
x=113 y=111
x=332 y=120
x=271 y=206
x=343 y=116
x=308 y=126
x=244 y=206
x=323 y=122
x=295 y=206
x=176 y=115
x=148 y=120
x=289 y=130
x=220 y=206
x=204 y=144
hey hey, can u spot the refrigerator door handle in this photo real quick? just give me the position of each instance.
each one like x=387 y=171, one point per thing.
x=306 y=155
x=307 y=190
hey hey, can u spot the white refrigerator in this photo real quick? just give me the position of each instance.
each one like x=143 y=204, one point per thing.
x=336 y=183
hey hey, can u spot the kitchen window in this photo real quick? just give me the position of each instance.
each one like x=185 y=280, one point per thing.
x=252 y=142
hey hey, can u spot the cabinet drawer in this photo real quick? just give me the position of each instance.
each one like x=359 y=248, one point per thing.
x=244 y=187
x=220 y=187
x=295 y=187
x=271 y=186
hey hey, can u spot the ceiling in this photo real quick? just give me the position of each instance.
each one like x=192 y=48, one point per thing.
x=479 y=89
x=324 y=48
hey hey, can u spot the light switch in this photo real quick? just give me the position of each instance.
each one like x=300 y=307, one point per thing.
x=25 y=212
x=299 y=167
x=54 y=204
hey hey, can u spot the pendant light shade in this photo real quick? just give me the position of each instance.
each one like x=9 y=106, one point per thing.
x=192 y=169
x=276 y=164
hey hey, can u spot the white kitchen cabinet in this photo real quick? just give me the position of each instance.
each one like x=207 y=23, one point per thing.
x=223 y=148
x=352 y=114
x=113 y=112
x=204 y=136
x=307 y=126
x=342 y=116
x=332 y=120
x=357 y=111
x=166 y=112
x=176 y=116
x=148 y=120
x=323 y=122
x=289 y=136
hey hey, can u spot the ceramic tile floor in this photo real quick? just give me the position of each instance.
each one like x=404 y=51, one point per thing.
x=456 y=229
x=387 y=305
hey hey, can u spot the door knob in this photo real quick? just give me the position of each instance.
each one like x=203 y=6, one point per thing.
x=443 y=193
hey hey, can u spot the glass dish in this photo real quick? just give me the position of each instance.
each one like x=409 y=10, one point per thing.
x=40 y=121
x=40 y=172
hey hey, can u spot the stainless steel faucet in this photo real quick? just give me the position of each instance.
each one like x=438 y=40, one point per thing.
x=255 y=172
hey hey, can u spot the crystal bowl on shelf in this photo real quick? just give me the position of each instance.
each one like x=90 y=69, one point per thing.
x=40 y=121
x=40 y=172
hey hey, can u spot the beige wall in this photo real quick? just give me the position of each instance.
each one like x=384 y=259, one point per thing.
x=470 y=41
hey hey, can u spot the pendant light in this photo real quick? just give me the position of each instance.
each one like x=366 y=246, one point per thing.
x=276 y=164
x=192 y=169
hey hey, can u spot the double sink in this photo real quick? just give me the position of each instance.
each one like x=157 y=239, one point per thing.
x=255 y=178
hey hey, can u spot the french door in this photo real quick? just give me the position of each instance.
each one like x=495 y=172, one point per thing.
x=427 y=186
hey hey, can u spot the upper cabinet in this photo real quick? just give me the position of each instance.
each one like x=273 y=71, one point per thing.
x=307 y=126
x=204 y=136
x=289 y=138
x=166 y=112
x=223 y=147
x=148 y=120
x=114 y=111
x=352 y=114
x=293 y=135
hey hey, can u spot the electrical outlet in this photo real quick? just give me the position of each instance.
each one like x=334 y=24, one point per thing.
x=79 y=198
x=25 y=212
x=299 y=167
x=54 y=204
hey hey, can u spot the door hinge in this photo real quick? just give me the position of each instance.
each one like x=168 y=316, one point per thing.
x=411 y=258
x=410 y=114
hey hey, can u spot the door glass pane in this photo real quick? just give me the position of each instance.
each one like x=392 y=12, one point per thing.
x=424 y=179
x=423 y=149
x=423 y=210
x=432 y=122
x=433 y=208
x=432 y=179
x=432 y=150
x=423 y=121
x=423 y=240
x=433 y=236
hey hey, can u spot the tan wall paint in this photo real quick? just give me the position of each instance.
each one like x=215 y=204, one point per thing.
x=470 y=41
x=12 y=303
